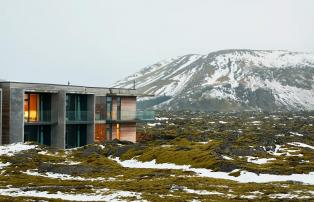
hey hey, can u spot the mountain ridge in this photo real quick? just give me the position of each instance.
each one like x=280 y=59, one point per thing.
x=229 y=80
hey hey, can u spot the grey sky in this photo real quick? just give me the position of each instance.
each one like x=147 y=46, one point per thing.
x=96 y=42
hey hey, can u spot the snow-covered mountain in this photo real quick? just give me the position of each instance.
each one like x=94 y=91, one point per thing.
x=229 y=80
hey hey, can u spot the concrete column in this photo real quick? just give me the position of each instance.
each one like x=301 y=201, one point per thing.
x=91 y=126
x=16 y=115
x=58 y=109
x=0 y=116
x=5 y=113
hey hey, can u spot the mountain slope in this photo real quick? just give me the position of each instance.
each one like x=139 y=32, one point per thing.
x=229 y=80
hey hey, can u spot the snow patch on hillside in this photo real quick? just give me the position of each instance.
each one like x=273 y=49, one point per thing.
x=274 y=59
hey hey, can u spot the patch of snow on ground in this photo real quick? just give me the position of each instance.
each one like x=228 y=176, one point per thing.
x=257 y=160
x=222 y=122
x=297 y=134
x=49 y=153
x=282 y=151
x=204 y=142
x=3 y=165
x=227 y=158
x=166 y=145
x=161 y=118
x=256 y=123
x=63 y=176
x=100 y=195
x=201 y=192
x=300 y=144
x=15 y=148
x=67 y=162
x=287 y=196
x=244 y=177
x=253 y=195
x=153 y=124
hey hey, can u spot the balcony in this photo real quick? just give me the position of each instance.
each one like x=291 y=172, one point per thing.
x=79 y=116
x=33 y=117
x=145 y=115
x=128 y=115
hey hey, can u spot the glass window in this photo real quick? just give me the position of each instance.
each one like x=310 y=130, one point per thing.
x=118 y=108
x=109 y=108
x=37 y=107
x=76 y=135
x=109 y=131
x=76 y=107
x=38 y=133
x=31 y=107
x=100 y=108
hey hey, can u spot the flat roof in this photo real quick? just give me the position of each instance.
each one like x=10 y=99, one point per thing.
x=53 y=84
x=94 y=89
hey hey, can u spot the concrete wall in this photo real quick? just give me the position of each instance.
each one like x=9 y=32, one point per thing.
x=91 y=126
x=58 y=129
x=16 y=115
x=5 y=113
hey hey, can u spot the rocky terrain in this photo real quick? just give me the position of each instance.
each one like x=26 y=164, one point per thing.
x=229 y=80
x=182 y=156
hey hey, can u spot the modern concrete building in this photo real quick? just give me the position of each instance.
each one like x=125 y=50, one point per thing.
x=67 y=116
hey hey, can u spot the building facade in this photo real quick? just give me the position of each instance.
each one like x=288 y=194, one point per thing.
x=66 y=116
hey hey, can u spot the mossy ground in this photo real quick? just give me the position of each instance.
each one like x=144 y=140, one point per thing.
x=197 y=139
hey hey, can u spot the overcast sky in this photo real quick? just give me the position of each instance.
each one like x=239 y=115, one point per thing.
x=96 y=42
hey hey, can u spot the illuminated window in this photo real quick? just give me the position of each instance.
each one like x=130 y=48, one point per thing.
x=26 y=107
x=118 y=131
x=31 y=105
x=37 y=107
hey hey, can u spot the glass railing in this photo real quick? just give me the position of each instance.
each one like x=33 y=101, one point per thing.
x=145 y=115
x=37 y=116
x=79 y=116
x=100 y=116
x=128 y=115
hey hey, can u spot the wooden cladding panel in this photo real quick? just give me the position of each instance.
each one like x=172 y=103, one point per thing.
x=100 y=132
x=128 y=103
x=128 y=108
x=6 y=115
x=128 y=132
